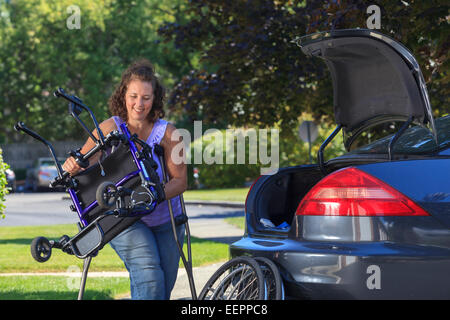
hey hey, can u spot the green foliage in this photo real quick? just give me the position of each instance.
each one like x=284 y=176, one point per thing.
x=422 y=26
x=3 y=190
x=292 y=152
x=217 y=173
x=39 y=53
x=251 y=72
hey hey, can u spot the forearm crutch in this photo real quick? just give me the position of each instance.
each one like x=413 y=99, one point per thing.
x=159 y=151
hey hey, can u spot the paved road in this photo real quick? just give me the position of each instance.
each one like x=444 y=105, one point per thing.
x=53 y=208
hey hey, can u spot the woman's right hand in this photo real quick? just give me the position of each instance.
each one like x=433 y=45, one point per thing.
x=71 y=166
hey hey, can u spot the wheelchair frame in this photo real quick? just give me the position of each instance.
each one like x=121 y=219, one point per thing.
x=91 y=237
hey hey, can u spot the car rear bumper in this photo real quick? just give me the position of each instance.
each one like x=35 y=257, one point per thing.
x=372 y=270
x=44 y=182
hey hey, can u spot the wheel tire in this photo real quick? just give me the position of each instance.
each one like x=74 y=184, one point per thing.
x=274 y=283
x=41 y=250
x=103 y=200
x=240 y=278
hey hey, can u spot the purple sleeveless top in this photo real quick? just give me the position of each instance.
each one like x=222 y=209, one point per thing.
x=161 y=214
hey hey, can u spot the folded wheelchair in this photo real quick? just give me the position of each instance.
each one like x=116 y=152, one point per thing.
x=108 y=196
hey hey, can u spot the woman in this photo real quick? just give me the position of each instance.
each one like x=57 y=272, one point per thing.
x=148 y=247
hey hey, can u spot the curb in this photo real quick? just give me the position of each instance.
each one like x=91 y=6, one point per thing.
x=230 y=204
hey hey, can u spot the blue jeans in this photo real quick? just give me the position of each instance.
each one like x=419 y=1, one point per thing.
x=151 y=257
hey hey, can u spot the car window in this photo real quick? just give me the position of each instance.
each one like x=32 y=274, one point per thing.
x=415 y=140
x=375 y=133
x=50 y=162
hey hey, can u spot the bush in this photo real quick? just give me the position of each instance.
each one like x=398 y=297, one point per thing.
x=3 y=183
x=292 y=152
x=219 y=174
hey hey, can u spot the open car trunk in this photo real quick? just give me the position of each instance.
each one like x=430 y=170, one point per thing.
x=273 y=199
x=376 y=80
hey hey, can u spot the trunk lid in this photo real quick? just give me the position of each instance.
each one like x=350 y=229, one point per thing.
x=375 y=79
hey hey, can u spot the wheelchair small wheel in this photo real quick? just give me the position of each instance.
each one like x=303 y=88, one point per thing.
x=41 y=250
x=106 y=195
x=274 y=283
x=240 y=278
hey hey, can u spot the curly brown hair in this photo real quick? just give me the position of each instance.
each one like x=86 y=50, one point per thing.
x=139 y=70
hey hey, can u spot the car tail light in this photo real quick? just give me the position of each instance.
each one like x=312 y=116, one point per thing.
x=44 y=173
x=10 y=174
x=353 y=192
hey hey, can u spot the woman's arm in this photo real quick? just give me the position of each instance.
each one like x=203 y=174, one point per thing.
x=177 y=171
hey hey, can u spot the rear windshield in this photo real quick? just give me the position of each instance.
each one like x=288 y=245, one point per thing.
x=47 y=163
x=415 y=140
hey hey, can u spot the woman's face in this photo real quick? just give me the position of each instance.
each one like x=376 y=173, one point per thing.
x=139 y=100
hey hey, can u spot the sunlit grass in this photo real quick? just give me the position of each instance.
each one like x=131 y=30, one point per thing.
x=15 y=253
x=235 y=194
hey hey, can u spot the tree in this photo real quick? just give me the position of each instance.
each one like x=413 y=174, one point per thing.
x=42 y=48
x=252 y=74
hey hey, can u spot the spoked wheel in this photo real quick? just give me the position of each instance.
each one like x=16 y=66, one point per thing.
x=274 y=283
x=240 y=278
x=106 y=195
x=41 y=250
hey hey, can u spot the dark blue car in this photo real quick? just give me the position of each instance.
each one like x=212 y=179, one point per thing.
x=375 y=222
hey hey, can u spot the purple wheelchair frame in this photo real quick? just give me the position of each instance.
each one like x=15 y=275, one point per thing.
x=141 y=168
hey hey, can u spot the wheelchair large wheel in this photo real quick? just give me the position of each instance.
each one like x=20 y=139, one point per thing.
x=274 y=283
x=240 y=278
x=41 y=250
x=106 y=195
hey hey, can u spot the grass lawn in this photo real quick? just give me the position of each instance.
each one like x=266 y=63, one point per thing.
x=236 y=194
x=15 y=257
x=237 y=222
x=61 y=288
x=15 y=253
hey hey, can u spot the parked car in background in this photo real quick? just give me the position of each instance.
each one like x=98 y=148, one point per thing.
x=42 y=173
x=373 y=223
x=10 y=180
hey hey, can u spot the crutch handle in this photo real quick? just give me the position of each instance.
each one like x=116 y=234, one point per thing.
x=159 y=150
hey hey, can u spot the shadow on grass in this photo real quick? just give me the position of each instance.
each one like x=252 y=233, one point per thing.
x=16 y=241
x=22 y=241
x=224 y=240
x=52 y=295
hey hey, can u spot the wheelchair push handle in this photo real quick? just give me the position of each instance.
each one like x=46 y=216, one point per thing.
x=20 y=126
x=75 y=108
